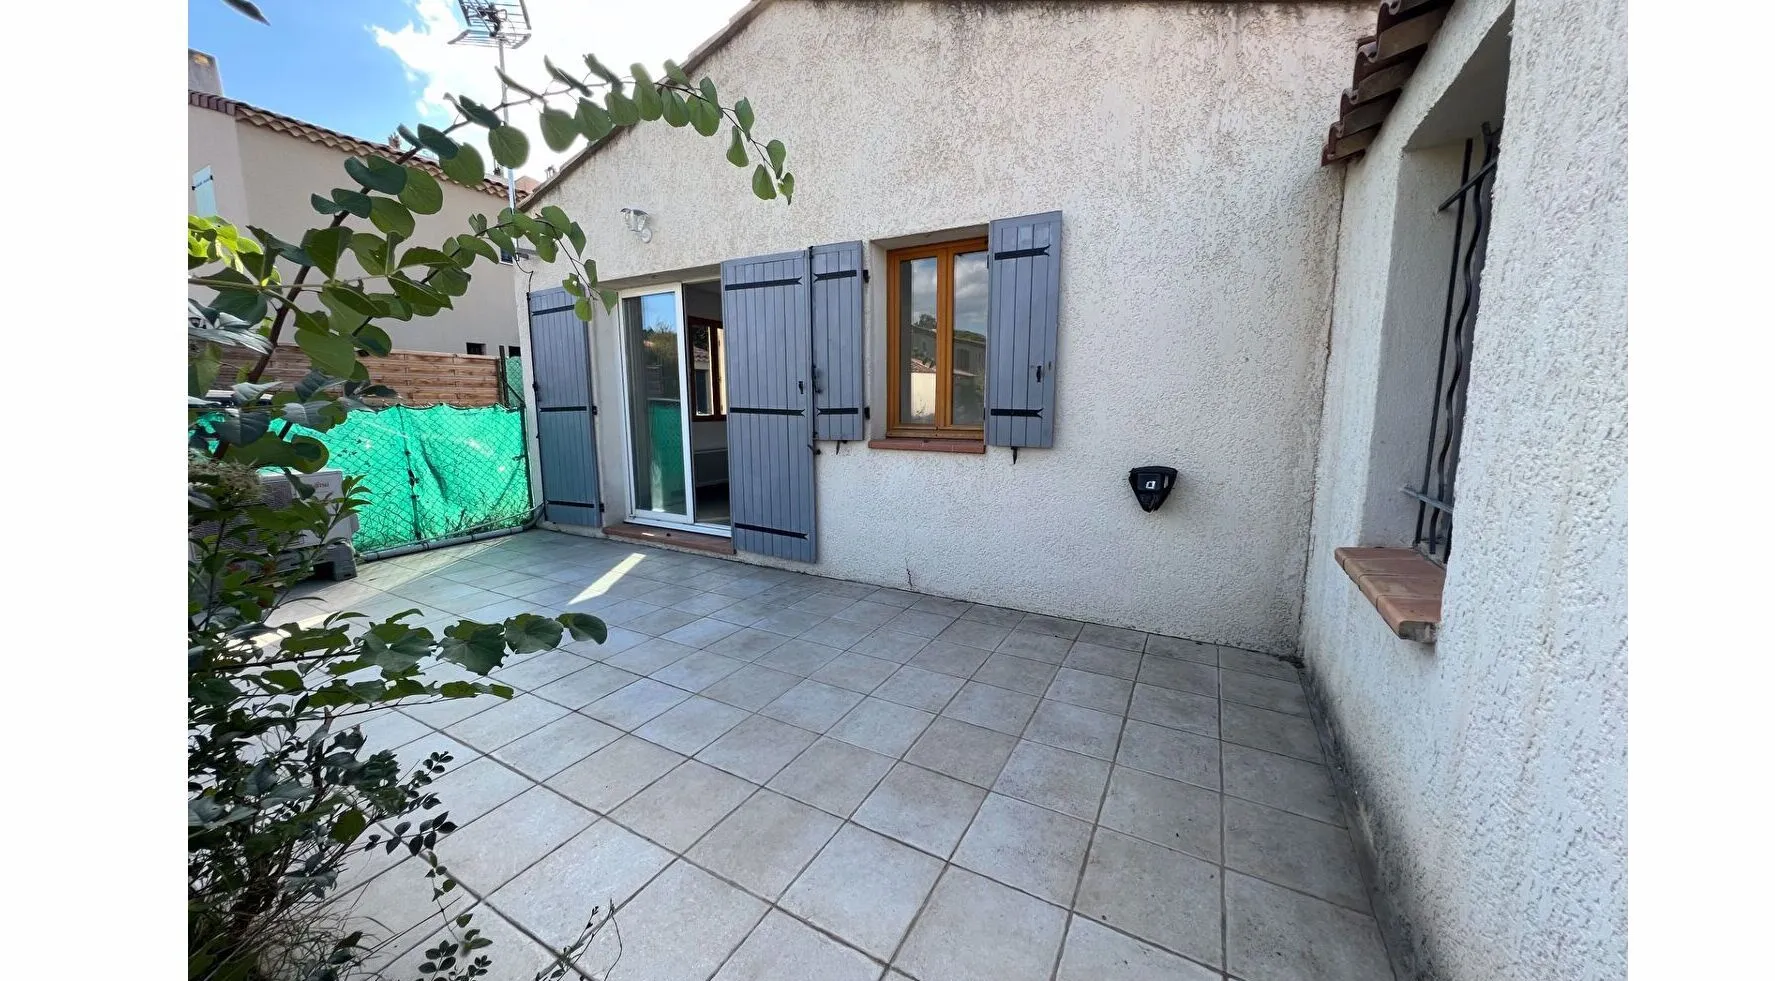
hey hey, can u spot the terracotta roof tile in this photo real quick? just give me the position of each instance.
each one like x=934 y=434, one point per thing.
x=1384 y=60
x=345 y=143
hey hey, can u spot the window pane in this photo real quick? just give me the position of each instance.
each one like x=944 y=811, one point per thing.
x=656 y=414
x=702 y=378
x=968 y=363
x=918 y=342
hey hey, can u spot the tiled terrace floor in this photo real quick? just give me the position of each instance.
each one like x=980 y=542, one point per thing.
x=778 y=777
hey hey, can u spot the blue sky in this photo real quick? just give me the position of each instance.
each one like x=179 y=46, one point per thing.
x=365 y=66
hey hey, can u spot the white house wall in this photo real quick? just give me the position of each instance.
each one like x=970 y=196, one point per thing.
x=1492 y=766
x=1179 y=141
x=265 y=177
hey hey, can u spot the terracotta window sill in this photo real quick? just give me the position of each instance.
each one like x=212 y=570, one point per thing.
x=1405 y=588
x=933 y=445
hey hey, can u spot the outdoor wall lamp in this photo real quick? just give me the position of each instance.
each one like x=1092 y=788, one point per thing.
x=1151 y=485
x=637 y=221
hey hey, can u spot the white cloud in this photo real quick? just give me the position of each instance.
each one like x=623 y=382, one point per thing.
x=619 y=33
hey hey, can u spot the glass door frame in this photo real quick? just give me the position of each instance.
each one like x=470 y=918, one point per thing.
x=665 y=519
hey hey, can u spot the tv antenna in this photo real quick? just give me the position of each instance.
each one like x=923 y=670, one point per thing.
x=497 y=24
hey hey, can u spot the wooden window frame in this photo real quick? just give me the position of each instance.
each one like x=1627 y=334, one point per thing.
x=715 y=357
x=944 y=253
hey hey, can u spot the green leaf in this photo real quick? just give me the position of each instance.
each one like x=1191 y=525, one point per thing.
x=352 y=202
x=705 y=117
x=584 y=626
x=344 y=296
x=762 y=185
x=374 y=339
x=466 y=167
x=787 y=186
x=391 y=216
x=204 y=365
x=777 y=152
x=421 y=255
x=371 y=252
x=577 y=236
x=608 y=298
x=377 y=174
x=512 y=83
x=509 y=145
x=349 y=825
x=592 y=120
x=558 y=129
x=582 y=309
x=320 y=415
x=707 y=88
x=324 y=246
x=304 y=454
x=330 y=352
x=422 y=195
x=606 y=74
x=450 y=281
x=545 y=248
x=479 y=246
x=676 y=73
x=479 y=647
x=424 y=299
x=647 y=100
x=736 y=151
x=528 y=632
x=564 y=78
x=437 y=142
x=478 y=114
x=623 y=111
x=323 y=205
x=742 y=110
x=673 y=107
x=555 y=218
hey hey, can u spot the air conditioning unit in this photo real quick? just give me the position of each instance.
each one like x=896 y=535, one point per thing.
x=337 y=557
x=336 y=554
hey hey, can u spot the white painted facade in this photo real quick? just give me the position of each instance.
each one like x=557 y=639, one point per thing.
x=1232 y=309
x=1492 y=766
x=263 y=177
x=1177 y=142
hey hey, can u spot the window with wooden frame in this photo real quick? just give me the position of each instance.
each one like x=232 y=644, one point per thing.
x=708 y=390
x=937 y=340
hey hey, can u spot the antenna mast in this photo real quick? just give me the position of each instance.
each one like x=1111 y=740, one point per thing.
x=497 y=24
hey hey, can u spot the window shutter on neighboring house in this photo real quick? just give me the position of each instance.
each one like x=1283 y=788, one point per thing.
x=560 y=359
x=764 y=319
x=1023 y=310
x=838 y=341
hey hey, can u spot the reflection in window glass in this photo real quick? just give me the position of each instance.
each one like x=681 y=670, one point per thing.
x=918 y=342
x=656 y=412
x=968 y=362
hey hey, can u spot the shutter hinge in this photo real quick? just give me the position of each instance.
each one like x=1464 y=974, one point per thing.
x=865 y=275
x=865 y=412
x=595 y=412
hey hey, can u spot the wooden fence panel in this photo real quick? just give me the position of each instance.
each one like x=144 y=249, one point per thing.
x=418 y=377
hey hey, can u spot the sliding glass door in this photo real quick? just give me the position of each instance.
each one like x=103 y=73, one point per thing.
x=674 y=406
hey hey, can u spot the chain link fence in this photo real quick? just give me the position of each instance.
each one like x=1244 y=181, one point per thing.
x=435 y=472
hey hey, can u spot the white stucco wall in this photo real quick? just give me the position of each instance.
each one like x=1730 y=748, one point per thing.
x=1492 y=766
x=1180 y=143
x=265 y=178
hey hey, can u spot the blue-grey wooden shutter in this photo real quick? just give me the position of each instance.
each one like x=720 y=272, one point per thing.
x=837 y=287
x=1023 y=309
x=764 y=320
x=560 y=363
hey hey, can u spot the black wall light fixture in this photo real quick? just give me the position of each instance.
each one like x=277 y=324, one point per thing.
x=1151 y=485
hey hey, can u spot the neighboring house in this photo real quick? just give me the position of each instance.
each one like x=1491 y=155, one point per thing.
x=257 y=167
x=1129 y=221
